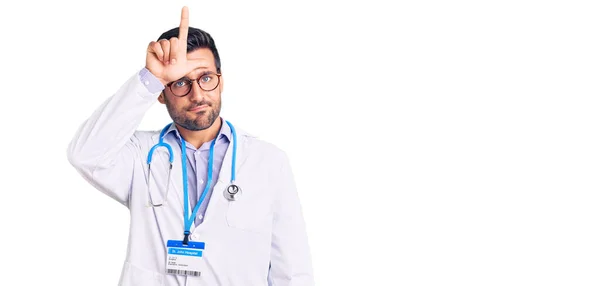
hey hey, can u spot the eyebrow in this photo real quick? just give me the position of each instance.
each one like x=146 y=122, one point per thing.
x=200 y=74
x=201 y=68
x=207 y=72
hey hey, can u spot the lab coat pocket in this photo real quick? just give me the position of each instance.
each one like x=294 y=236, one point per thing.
x=136 y=276
x=250 y=212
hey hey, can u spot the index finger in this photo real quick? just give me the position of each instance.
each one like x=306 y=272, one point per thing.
x=183 y=29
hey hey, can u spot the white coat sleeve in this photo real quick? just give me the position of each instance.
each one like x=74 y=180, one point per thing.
x=105 y=149
x=290 y=254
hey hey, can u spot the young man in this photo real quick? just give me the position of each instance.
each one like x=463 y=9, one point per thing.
x=209 y=203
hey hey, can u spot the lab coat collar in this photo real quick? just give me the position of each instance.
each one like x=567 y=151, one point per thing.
x=242 y=142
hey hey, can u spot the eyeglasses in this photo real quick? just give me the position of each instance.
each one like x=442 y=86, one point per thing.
x=183 y=86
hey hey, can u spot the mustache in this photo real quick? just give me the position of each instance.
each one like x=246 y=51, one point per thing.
x=199 y=104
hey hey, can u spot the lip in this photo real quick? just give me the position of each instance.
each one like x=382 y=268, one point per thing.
x=199 y=108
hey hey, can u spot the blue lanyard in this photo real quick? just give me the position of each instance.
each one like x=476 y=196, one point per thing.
x=188 y=220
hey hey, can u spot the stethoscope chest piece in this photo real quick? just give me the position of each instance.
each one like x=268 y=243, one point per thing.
x=232 y=192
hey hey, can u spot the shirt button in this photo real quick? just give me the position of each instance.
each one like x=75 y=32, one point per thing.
x=199 y=216
x=146 y=82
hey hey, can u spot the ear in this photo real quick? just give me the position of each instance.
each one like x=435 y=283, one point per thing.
x=221 y=83
x=161 y=98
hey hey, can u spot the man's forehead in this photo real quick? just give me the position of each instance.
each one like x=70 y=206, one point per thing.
x=199 y=71
x=203 y=59
x=200 y=54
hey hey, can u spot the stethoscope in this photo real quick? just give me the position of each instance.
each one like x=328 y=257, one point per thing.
x=232 y=192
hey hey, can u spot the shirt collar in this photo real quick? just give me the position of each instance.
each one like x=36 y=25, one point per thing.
x=224 y=132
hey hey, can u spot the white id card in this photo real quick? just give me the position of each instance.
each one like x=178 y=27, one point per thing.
x=184 y=259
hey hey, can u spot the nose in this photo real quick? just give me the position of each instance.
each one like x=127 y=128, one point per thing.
x=196 y=94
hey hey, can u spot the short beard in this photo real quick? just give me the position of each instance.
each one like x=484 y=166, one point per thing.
x=192 y=124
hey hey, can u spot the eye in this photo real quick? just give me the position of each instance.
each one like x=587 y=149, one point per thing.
x=180 y=83
x=206 y=78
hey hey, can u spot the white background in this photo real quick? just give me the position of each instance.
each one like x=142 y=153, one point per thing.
x=433 y=142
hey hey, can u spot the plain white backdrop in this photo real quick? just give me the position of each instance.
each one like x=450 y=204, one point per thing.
x=433 y=142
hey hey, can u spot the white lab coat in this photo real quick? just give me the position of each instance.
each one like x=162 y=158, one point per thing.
x=258 y=240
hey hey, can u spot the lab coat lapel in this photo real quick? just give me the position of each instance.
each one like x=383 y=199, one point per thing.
x=225 y=172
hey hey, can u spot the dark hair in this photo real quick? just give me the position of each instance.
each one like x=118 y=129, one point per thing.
x=196 y=39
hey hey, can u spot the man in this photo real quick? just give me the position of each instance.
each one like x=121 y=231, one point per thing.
x=225 y=211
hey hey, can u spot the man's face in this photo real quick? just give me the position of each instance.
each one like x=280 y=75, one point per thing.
x=198 y=109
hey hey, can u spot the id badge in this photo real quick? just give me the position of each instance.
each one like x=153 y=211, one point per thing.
x=184 y=259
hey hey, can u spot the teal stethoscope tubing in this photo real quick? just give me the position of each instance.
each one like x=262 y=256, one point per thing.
x=189 y=219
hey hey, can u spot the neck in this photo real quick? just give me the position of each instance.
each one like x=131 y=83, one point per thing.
x=197 y=138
